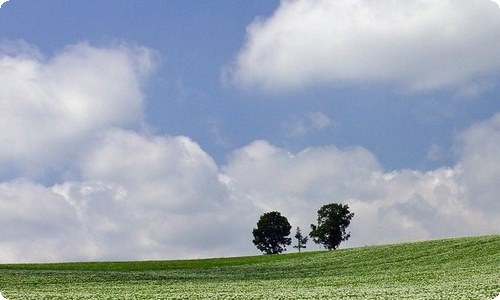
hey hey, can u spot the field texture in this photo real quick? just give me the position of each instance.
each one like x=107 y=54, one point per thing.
x=464 y=268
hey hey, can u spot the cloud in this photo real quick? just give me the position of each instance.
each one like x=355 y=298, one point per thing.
x=124 y=193
x=310 y=122
x=51 y=107
x=151 y=197
x=418 y=45
x=141 y=197
x=36 y=224
x=128 y=194
x=390 y=207
x=2 y=2
x=435 y=153
x=479 y=161
x=174 y=169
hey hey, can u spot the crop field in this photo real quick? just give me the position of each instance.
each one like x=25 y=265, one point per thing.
x=463 y=268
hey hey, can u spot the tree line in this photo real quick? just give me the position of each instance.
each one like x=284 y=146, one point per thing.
x=271 y=235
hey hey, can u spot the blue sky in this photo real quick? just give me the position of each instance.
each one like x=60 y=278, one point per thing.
x=121 y=117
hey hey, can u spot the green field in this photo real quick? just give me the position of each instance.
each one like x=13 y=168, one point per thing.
x=463 y=268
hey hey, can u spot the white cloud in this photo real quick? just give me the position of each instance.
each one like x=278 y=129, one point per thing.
x=145 y=196
x=389 y=207
x=36 y=224
x=142 y=197
x=136 y=195
x=51 y=107
x=132 y=195
x=154 y=196
x=2 y=2
x=419 y=45
x=310 y=122
x=169 y=172
x=479 y=146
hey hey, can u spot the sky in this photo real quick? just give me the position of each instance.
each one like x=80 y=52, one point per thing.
x=164 y=129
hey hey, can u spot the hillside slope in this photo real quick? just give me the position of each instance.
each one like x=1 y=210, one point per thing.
x=463 y=268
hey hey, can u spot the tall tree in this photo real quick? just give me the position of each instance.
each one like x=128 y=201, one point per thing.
x=333 y=220
x=301 y=240
x=271 y=234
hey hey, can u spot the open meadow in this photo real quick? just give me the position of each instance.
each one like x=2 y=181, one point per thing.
x=463 y=268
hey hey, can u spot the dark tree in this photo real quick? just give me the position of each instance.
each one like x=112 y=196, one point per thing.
x=333 y=220
x=301 y=240
x=271 y=234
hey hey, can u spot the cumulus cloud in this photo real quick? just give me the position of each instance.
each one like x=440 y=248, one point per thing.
x=136 y=195
x=419 y=45
x=154 y=196
x=173 y=173
x=141 y=197
x=480 y=160
x=145 y=196
x=2 y=2
x=50 y=107
x=130 y=194
x=389 y=207
x=36 y=224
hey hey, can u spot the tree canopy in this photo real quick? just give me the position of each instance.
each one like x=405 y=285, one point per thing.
x=271 y=234
x=333 y=220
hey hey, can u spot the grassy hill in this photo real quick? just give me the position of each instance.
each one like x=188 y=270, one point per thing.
x=463 y=268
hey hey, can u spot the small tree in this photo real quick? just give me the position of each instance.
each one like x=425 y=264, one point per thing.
x=333 y=220
x=301 y=240
x=271 y=234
